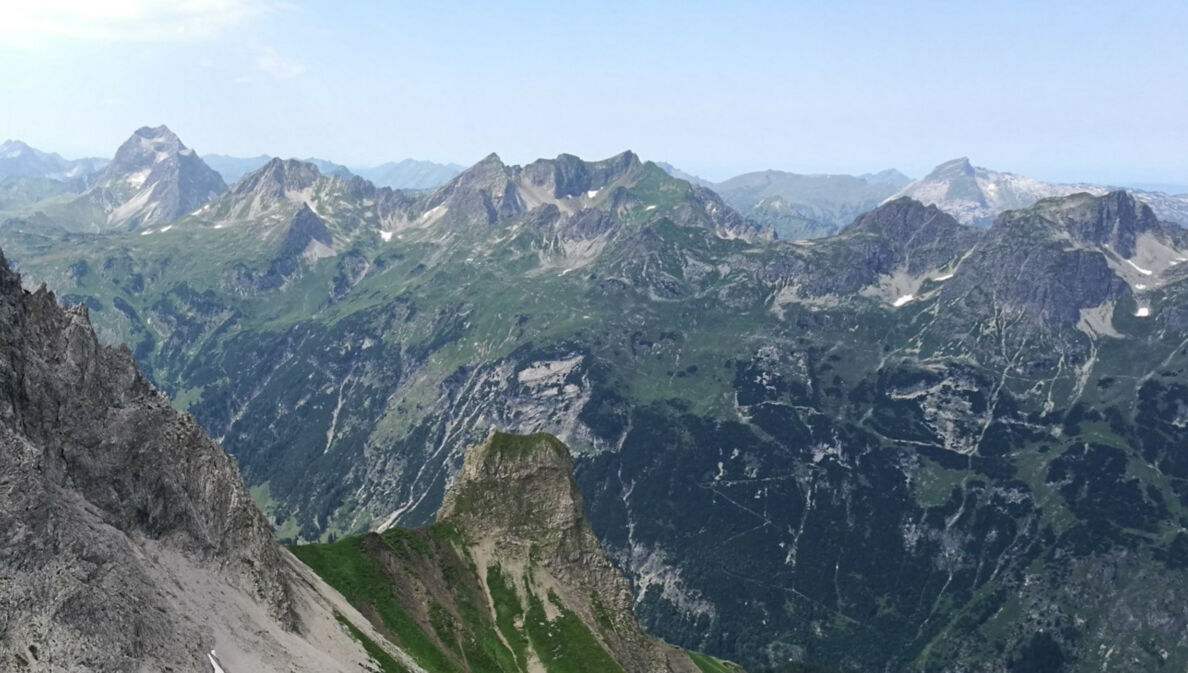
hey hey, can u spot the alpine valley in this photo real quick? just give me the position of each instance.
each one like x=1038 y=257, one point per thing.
x=910 y=444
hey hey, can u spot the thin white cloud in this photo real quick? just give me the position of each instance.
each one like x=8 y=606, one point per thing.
x=30 y=23
x=274 y=64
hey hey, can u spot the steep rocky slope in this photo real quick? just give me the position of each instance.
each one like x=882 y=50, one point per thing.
x=130 y=542
x=509 y=578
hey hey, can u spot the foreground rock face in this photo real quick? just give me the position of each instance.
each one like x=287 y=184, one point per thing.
x=129 y=540
x=510 y=578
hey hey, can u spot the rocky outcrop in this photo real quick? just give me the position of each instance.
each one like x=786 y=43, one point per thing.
x=1115 y=220
x=1062 y=256
x=95 y=460
x=129 y=541
x=516 y=504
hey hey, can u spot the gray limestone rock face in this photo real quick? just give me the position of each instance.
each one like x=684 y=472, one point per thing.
x=154 y=179
x=98 y=475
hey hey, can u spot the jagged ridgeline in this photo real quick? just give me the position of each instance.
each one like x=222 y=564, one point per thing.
x=914 y=445
x=509 y=578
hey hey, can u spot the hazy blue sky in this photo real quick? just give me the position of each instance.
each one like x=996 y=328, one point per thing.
x=1062 y=91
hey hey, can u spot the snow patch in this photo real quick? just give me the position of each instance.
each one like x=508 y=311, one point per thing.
x=165 y=229
x=1142 y=312
x=651 y=207
x=592 y=193
x=943 y=278
x=902 y=300
x=146 y=232
x=1145 y=272
x=433 y=214
x=215 y=662
x=386 y=235
x=136 y=180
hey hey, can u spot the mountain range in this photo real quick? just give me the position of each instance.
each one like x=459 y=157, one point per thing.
x=794 y=206
x=19 y=160
x=914 y=444
x=976 y=195
x=801 y=206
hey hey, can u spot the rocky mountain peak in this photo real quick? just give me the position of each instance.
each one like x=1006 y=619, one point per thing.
x=889 y=176
x=277 y=177
x=144 y=148
x=904 y=219
x=976 y=195
x=568 y=176
x=10 y=149
x=1115 y=220
x=1120 y=219
x=519 y=485
x=1077 y=251
x=491 y=160
x=954 y=168
x=488 y=171
x=517 y=506
x=153 y=179
x=160 y=132
x=909 y=234
x=484 y=193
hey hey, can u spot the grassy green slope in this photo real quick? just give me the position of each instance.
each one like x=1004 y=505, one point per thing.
x=421 y=588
